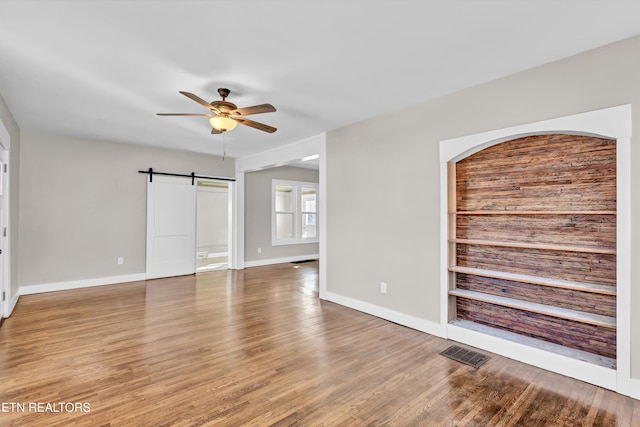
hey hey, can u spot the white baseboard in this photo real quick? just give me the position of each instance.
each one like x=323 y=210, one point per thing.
x=634 y=388
x=217 y=254
x=387 y=314
x=12 y=304
x=201 y=254
x=262 y=262
x=77 y=284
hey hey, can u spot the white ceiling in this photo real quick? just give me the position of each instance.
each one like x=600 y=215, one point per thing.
x=102 y=69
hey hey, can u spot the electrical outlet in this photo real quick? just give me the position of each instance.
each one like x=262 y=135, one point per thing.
x=383 y=287
x=259 y=250
x=120 y=260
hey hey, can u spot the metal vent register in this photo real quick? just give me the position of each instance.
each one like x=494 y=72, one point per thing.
x=463 y=355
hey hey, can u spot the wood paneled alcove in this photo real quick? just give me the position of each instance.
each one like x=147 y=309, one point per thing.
x=532 y=242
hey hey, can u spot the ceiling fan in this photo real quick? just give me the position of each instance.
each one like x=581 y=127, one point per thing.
x=224 y=115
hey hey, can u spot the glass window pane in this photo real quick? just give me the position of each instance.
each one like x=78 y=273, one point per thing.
x=284 y=198
x=284 y=226
x=308 y=198
x=309 y=229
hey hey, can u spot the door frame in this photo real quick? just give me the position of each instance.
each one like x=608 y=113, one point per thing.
x=230 y=219
x=289 y=154
x=5 y=241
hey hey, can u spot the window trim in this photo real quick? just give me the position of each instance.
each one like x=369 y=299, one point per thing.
x=297 y=213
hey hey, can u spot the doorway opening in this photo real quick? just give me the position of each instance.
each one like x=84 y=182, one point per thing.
x=212 y=226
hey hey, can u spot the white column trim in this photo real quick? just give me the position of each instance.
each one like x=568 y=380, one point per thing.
x=237 y=259
x=322 y=273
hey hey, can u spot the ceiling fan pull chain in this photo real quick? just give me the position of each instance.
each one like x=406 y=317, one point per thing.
x=224 y=146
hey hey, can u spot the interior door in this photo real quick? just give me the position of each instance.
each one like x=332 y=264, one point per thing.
x=171 y=227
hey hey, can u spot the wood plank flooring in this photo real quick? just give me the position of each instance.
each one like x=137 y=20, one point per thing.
x=258 y=348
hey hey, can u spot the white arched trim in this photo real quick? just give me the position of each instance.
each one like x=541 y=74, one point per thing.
x=614 y=123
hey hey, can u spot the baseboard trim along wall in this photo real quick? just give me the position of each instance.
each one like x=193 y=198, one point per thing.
x=77 y=284
x=634 y=389
x=387 y=314
x=12 y=304
x=262 y=262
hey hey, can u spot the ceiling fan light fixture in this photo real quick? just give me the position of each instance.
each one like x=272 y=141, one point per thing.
x=225 y=116
x=222 y=123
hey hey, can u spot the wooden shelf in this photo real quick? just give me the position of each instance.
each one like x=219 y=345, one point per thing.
x=542 y=246
x=533 y=213
x=562 y=313
x=545 y=281
x=538 y=344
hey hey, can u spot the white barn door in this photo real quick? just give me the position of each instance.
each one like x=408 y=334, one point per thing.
x=171 y=227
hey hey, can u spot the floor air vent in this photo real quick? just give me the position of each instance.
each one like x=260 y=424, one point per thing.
x=468 y=357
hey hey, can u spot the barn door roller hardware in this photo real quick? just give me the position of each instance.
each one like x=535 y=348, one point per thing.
x=192 y=175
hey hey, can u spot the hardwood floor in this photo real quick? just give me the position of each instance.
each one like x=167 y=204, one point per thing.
x=258 y=348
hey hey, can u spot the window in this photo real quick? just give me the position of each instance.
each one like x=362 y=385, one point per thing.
x=295 y=212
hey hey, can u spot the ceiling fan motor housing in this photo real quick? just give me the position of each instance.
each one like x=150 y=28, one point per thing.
x=224 y=106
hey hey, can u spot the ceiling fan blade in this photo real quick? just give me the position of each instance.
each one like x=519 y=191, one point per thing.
x=215 y=131
x=200 y=101
x=256 y=125
x=256 y=109
x=183 y=114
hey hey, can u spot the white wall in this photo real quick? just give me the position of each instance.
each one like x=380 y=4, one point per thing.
x=384 y=176
x=83 y=205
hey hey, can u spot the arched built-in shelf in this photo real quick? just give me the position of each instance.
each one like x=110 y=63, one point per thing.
x=532 y=241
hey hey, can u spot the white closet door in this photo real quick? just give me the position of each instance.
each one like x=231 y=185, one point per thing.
x=171 y=227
